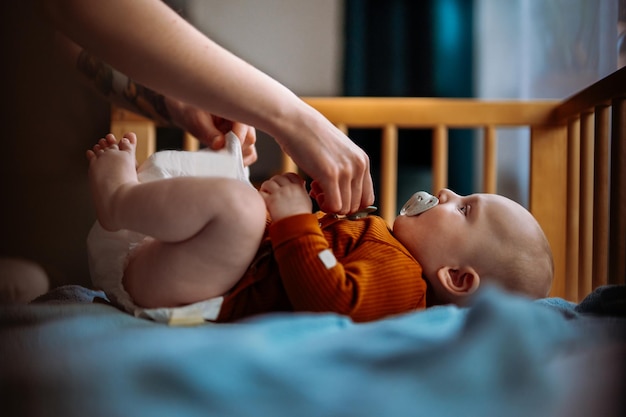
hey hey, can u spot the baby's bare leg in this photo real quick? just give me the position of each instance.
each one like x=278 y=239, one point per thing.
x=205 y=231
x=112 y=168
x=166 y=273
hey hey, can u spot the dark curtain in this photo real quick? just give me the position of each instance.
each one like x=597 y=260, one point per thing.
x=412 y=48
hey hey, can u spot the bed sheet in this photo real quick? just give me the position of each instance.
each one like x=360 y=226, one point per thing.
x=71 y=355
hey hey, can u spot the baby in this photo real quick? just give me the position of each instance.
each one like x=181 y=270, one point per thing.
x=207 y=244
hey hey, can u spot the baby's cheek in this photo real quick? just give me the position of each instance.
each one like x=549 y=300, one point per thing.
x=401 y=225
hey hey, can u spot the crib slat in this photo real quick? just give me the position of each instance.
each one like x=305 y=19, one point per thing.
x=190 y=143
x=586 y=204
x=287 y=164
x=143 y=128
x=440 y=158
x=573 y=212
x=548 y=195
x=601 y=197
x=489 y=160
x=389 y=173
x=617 y=246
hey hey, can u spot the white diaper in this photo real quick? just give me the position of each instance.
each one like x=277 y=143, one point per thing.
x=108 y=251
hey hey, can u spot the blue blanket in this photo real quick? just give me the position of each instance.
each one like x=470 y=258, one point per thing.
x=70 y=355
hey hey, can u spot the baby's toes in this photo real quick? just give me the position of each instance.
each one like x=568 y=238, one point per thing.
x=97 y=149
x=128 y=144
x=106 y=144
x=103 y=143
x=110 y=138
x=125 y=145
x=132 y=137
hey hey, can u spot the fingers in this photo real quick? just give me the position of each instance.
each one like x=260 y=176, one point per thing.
x=211 y=129
x=367 y=191
x=346 y=191
x=285 y=195
x=339 y=167
x=245 y=133
x=274 y=184
x=282 y=180
x=247 y=136
x=362 y=189
x=207 y=128
x=250 y=156
x=216 y=127
x=316 y=191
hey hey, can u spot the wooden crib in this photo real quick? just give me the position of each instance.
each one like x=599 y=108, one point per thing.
x=577 y=187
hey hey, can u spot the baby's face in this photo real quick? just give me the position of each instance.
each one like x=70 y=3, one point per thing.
x=456 y=231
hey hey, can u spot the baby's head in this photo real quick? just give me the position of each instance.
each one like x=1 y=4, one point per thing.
x=465 y=241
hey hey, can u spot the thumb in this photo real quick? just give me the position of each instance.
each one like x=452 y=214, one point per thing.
x=217 y=142
x=223 y=126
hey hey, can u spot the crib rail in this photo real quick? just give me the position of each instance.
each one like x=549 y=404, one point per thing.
x=596 y=197
x=438 y=115
x=577 y=164
x=548 y=139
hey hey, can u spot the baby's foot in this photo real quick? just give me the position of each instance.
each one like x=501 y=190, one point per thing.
x=111 y=171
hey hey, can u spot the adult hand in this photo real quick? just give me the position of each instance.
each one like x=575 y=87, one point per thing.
x=340 y=169
x=197 y=71
x=211 y=129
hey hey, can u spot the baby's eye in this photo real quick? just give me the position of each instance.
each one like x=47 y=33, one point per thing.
x=463 y=210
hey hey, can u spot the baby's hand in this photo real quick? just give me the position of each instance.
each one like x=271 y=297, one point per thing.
x=286 y=195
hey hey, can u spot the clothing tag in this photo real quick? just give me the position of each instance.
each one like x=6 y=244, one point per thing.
x=327 y=258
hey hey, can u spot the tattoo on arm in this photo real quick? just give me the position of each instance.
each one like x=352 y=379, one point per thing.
x=120 y=89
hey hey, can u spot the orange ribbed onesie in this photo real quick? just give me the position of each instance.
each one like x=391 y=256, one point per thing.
x=374 y=275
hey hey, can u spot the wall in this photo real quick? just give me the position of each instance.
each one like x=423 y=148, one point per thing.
x=518 y=44
x=48 y=121
x=535 y=49
x=297 y=42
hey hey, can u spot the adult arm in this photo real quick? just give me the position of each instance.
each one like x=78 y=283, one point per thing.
x=138 y=36
x=124 y=92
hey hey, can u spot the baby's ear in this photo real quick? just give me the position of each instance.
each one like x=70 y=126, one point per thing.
x=458 y=282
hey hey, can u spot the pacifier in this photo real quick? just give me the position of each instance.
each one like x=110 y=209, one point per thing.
x=419 y=202
x=362 y=213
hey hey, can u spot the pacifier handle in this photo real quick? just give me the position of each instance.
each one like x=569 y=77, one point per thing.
x=362 y=213
x=419 y=202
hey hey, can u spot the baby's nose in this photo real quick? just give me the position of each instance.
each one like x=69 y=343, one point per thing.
x=444 y=195
x=447 y=195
